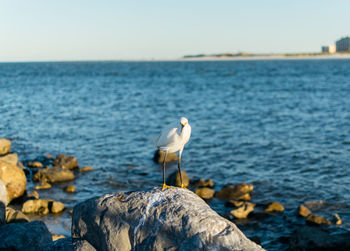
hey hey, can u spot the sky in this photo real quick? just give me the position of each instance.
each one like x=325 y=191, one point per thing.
x=65 y=30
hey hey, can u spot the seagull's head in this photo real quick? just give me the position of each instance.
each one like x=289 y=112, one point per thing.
x=183 y=121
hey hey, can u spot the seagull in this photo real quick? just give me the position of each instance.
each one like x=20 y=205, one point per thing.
x=173 y=140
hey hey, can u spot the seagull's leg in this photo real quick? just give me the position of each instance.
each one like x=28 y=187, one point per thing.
x=179 y=167
x=164 y=185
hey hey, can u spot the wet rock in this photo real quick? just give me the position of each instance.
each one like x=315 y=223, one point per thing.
x=159 y=157
x=174 y=179
x=205 y=193
x=274 y=207
x=3 y=194
x=316 y=238
x=35 y=164
x=69 y=189
x=304 y=211
x=33 y=195
x=337 y=220
x=57 y=207
x=48 y=156
x=203 y=183
x=14 y=179
x=43 y=185
x=5 y=146
x=62 y=244
x=235 y=192
x=11 y=158
x=15 y=216
x=313 y=219
x=56 y=237
x=65 y=161
x=54 y=174
x=243 y=211
x=234 y=203
x=86 y=169
x=24 y=236
x=173 y=219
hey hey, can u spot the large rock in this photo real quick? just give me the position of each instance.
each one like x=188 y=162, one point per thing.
x=235 y=192
x=65 y=161
x=24 y=236
x=173 y=219
x=54 y=174
x=63 y=244
x=316 y=238
x=11 y=158
x=5 y=146
x=14 y=179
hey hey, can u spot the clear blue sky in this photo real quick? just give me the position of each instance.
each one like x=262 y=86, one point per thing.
x=34 y=30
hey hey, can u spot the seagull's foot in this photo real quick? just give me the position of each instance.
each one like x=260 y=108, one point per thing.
x=183 y=186
x=166 y=186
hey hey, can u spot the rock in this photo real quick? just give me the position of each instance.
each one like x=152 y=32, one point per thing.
x=65 y=161
x=235 y=192
x=57 y=207
x=173 y=219
x=69 y=189
x=274 y=207
x=159 y=157
x=43 y=185
x=15 y=216
x=42 y=206
x=174 y=179
x=316 y=238
x=5 y=146
x=3 y=194
x=304 y=211
x=205 y=193
x=313 y=219
x=337 y=220
x=63 y=244
x=14 y=179
x=86 y=169
x=24 y=236
x=48 y=156
x=56 y=237
x=11 y=158
x=203 y=183
x=53 y=175
x=36 y=207
x=243 y=211
x=234 y=203
x=33 y=195
x=35 y=164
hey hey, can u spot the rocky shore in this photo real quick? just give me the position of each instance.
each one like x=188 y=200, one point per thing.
x=175 y=219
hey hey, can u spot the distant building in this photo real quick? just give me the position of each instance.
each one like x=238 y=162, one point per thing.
x=343 y=44
x=328 y=48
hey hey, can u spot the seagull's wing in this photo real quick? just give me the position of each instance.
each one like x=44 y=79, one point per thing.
x=167 y=138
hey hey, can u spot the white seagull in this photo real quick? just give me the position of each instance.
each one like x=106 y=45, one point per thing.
x=173 y=140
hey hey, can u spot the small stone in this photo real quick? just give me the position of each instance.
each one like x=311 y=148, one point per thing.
x=159 y=157
x=317 y=220
x=33 y=195
x=243 y=211
x=203 y=183
x=43 y=185
x=304 y=211
x=65 y=161
x=5 y=146
x=205 y=193
x=36 y=206
x=275 y=207
x=235 y=192
x=234 y=203
x=69 y=189
x=57 y=207
x=337 y=220
x=56 y=237
x=15 y=216
x=11 y=158
x=35 y=164
x=48 y=156
x=54 y=174
x=86 y=169
x=174 y=179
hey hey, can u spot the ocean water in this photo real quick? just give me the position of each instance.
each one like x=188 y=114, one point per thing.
x=282 y=125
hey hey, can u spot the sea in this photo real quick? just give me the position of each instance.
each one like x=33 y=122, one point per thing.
x=281 y=125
